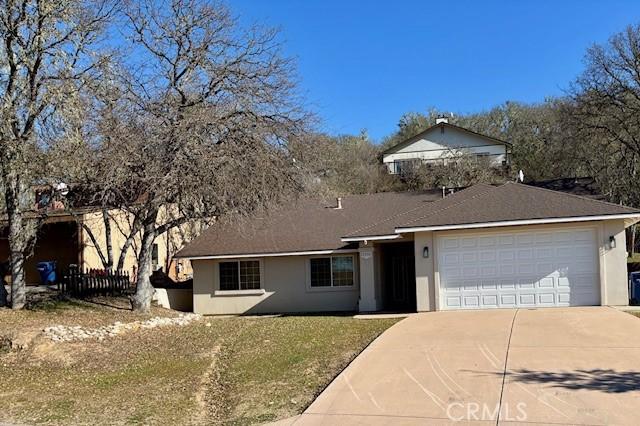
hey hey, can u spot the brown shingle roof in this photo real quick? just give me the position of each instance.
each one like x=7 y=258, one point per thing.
x=308 y=225
x=313 y=225
x=513 y=201
x=388 y=225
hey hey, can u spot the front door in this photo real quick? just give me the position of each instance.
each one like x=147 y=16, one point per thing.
x=399 y=277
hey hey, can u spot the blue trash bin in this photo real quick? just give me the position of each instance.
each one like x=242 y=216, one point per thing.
x=47 y=271
x=634 y=287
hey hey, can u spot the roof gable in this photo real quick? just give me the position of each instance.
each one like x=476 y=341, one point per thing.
x=435 y=135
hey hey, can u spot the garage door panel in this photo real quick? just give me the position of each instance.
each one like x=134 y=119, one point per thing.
x=507 y=270
x=526 y=268
x=546 y=282
x=527 y=299
x=488 y=256
x=490 y=300
x=488 y=271
x=489 y=285
x=469 y=242
x=545 y=268
x=529 y=269
x=544 y=238
x=469 y=257
x=545 y=253
x=452 y=302
x=470 y=286
x=524 y=239
x=471 y=301
x=547 y=299
x=507 y=300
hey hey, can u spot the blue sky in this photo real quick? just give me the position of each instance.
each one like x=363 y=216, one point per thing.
x=362 y=64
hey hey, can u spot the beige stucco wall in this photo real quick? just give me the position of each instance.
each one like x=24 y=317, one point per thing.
x=168 y=244
x=178 y=299
x=425 y=288
x=612 y=261
x=613 y=264
x=285 y=288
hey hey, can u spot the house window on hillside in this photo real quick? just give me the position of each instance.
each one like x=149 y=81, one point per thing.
x=334 y=271
x=402 y=167
x=240 y=275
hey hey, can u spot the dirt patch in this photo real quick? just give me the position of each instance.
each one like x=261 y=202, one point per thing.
x=205 y=409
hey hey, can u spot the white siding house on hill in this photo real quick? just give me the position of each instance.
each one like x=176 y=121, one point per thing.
x=443 y=141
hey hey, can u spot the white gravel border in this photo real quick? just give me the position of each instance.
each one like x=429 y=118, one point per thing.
x=63 y=333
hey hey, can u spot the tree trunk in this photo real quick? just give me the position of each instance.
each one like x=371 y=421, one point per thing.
x=141 y=301
x=18 y=238
x=107 y=236
x=3 y=293
x=18 y=279
x=127 y=244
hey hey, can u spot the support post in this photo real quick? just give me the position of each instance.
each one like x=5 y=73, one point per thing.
x=367 y=302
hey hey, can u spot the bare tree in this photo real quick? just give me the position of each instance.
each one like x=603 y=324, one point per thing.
x=604 y=116
x=46 y=58
x=456 y=169
x=199 y=129
x=339 y=165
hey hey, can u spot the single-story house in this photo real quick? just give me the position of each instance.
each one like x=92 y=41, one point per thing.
x=483 y=247
x=443 y=141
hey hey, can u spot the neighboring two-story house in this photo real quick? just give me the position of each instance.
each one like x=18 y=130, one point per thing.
x=442 y=142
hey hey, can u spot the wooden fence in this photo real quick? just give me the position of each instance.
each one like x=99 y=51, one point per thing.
x=79 y=282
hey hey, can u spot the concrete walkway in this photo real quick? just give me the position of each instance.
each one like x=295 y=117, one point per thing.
x=563 y=366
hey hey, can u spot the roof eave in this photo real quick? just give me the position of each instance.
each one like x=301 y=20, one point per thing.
x=371 y=238
x=266 y=254
x=393 y=149
x=629 y=219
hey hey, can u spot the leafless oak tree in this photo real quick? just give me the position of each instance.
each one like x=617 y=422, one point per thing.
x=198 y=128
x=604 y=115
x=46 y=59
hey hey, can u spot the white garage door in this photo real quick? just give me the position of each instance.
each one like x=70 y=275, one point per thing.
x=519 y=269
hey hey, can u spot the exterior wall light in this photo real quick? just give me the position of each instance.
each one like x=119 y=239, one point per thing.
x=425 y=252
x=612 y=242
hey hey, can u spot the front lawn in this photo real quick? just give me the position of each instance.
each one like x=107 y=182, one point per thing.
x=243 y=370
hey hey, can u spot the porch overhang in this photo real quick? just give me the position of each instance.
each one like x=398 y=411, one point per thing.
x=371 y=238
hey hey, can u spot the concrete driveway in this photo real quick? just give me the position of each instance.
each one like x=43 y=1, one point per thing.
x=563 y=366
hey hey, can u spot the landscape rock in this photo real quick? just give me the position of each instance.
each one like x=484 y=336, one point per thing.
x=62 y=333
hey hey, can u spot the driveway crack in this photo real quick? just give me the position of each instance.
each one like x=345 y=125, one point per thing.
x=506 y=360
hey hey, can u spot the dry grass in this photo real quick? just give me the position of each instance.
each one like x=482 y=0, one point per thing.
x=234 y=371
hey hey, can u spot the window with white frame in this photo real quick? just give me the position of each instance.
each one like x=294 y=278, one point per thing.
x=331 y=271
x=239 y=275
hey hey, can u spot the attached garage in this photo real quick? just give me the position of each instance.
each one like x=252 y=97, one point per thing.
x=523 y=268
